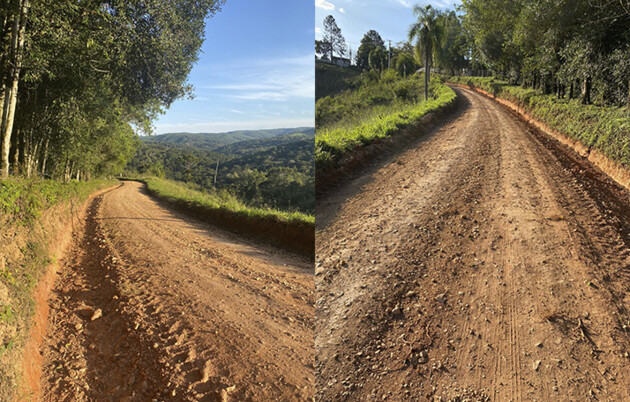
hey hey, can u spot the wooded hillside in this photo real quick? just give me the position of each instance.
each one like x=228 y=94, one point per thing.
x=274 y=169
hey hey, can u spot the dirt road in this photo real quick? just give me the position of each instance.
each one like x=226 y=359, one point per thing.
x=485 y=263
x=151 y=304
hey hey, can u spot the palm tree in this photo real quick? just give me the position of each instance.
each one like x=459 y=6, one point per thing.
x=428 y=32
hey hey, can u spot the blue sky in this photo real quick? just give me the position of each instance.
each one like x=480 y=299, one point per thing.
x=256 y=70
x=390 y=18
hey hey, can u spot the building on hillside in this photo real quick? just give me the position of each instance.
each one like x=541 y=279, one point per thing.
x=338 y=61
x=341 y=61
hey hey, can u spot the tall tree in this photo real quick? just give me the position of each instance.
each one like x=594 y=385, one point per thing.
x=428 y=33
x=333 y=37
x=16 y=20
x=452 y=54
x=370 y=41
x=92 y=69
x=323 y=47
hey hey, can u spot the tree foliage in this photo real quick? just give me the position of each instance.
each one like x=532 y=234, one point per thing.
x=574 y=48
x=369 y=43
x=85 y=73
x=332 y=41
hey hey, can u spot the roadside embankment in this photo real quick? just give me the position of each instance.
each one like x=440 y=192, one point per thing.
x=600 y=134
x=37 y=218
x=366 y=121
x=292 y=231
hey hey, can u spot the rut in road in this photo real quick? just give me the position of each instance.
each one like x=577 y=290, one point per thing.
x=152 y=304
x=486 y=262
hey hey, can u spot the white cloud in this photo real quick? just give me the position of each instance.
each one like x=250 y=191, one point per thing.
x=324 y=5
x=318 y=30
x=404 y=3
x=341 y=10
x=262 y=95
x=272 y=79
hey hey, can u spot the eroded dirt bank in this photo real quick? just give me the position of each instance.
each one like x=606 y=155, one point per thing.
x=151 y=304
x=487 y=262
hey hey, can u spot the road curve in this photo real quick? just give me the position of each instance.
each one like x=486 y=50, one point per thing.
x=486 y=262
x=153 y=304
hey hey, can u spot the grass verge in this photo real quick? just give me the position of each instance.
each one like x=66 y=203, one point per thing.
x=606 y=129
x=377 y=109
x=32 y=215
x=294 y=231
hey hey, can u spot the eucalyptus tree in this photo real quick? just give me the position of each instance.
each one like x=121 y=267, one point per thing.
x=90 y=69
x=577 y=48
x=428 y=33
x=454 y=48
x=14 y=21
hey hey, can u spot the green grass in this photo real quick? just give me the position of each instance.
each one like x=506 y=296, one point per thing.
x=606 y=129
x=221 y=201
x=22 y=201
x=331 y=79
x=378 y=108
x=24 y=256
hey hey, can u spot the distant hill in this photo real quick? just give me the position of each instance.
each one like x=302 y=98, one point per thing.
x=243 y=148
x=215 y=140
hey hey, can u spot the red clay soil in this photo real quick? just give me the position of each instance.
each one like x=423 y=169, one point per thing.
x=617 y=171
x=60 y=221
x=487 y=262
x=151 y=304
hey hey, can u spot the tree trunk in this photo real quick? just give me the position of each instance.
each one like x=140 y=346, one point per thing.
x=31 y=166
x=426 y=76
x=66 y=174
x=45 y=158
x=571 y=90
x=558 y=90
x=586 y=91
x=2 y=101
x=16 y=155
x=18 y=44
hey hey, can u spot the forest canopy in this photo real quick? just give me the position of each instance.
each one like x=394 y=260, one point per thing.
x=578 y=48
x=75 y=77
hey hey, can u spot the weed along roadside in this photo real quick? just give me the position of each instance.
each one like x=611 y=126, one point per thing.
x=36 y=227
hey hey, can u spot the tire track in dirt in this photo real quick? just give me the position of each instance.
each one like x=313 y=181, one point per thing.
x=505 y=283
x=217 y=317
